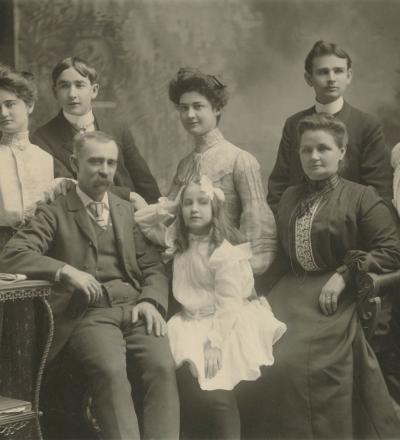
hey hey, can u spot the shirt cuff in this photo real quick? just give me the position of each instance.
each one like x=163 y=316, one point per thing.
x=57 y=277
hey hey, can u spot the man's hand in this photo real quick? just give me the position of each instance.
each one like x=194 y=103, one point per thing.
x=152 y=318
x=212 y=360
x=60 y=186
x=330 y=293
x=82 y=281
x=137 y=201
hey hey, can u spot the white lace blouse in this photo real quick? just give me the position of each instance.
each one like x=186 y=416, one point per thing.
x=26 y=173
x=238 y=174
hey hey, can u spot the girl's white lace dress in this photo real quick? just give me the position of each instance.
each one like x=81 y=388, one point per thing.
x=214 y=291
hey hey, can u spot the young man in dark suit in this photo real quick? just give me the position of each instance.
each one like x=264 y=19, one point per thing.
x=75 y=85
x=110 y=295
x=328 y=71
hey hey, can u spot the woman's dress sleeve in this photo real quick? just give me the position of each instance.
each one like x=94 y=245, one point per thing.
x=257 y=220
x=152 y=221
x=378 y=237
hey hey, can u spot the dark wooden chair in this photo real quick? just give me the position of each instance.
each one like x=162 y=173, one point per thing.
x=373 y=289
x=66 y=402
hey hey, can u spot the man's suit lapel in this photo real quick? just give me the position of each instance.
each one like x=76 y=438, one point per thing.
x=344 y=113
x=76 y=206
x=123 y=231
x=65 y=134
x=118 y=221
x=104 y=124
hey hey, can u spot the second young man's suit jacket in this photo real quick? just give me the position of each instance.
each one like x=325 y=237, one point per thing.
x=63 y=233
x=367 y=159
x=132 y=174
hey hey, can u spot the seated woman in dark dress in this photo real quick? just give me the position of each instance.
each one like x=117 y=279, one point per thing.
x=326 y=382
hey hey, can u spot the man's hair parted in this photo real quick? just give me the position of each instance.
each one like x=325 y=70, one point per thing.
x=80 y=139
x=80 y=65
x=322 y=48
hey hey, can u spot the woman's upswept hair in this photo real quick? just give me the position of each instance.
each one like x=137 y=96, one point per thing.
x=192 y=80
x=220 y=227
x=20 y=83
x=325 y=122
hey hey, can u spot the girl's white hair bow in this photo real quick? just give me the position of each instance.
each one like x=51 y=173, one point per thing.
x=207 y=187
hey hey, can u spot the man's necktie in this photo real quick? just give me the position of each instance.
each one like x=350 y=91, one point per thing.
x=97 y=209
x=85 y=128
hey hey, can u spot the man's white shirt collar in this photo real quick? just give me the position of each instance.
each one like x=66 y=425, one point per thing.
x=85 y=121
x=86 y=200
x=331 y=108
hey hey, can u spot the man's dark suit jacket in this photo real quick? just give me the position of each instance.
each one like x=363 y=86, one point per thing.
x=63 y=233
x=132 y=174
x=367 y=159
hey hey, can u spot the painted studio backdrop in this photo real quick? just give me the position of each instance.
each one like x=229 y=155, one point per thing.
x=257 y=46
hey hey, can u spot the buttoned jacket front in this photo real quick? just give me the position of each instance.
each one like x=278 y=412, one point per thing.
x=63 y=233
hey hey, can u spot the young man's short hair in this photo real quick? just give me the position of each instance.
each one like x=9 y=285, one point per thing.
x=79 y=65
x=323 y=48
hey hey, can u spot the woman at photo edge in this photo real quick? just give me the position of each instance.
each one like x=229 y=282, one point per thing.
x=326 y=382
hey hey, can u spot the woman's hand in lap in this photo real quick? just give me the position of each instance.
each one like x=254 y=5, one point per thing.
x=212 y=360
x=330 y=293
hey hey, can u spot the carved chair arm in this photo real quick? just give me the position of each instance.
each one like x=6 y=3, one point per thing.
x=370 y=288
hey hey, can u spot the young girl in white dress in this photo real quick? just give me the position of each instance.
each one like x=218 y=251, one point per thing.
x=220 y=337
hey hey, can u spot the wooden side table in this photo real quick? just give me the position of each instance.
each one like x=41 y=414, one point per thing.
x=20 y=291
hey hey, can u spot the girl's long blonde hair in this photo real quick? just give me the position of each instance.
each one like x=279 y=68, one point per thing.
x=220 y=228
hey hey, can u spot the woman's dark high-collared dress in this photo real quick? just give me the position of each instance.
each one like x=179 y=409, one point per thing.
x=326 y=382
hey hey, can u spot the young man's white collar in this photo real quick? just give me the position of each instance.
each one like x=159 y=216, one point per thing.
x=85 y=122
x=332 y=108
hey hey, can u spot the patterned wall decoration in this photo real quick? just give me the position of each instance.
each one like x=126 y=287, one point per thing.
x=258 y=46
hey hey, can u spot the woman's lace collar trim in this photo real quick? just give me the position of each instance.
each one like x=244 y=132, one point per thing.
x=207 y=141
x=17 y=140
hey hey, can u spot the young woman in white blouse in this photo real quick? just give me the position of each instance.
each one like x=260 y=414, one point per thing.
x=26 y=171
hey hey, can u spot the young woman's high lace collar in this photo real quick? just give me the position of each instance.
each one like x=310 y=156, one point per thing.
x=203 y=143
x=16 y=140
